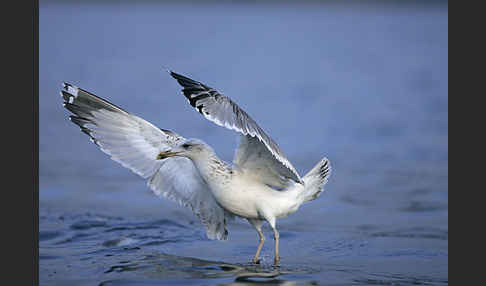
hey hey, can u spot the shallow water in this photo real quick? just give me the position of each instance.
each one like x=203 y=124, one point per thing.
x=90 y=249
x=364 y=85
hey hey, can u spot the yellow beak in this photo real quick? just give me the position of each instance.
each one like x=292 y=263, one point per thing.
x=163 y=155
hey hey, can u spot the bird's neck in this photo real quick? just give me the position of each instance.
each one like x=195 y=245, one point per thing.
x=211 y=168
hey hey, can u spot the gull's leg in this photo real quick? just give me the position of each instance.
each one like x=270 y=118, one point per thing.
x=258 y=226
x=276 y=236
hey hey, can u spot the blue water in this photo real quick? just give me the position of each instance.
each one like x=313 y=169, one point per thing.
x=365 y=85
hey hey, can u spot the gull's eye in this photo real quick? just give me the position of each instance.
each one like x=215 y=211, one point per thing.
x=185 y=146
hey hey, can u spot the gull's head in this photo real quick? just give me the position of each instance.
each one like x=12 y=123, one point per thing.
x=190 y=148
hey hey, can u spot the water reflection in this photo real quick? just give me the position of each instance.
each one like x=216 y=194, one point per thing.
x=162 y=267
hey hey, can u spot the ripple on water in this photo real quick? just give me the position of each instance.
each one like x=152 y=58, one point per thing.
x=161 y=242
x=396 y=279
x=415 y=232
x=76 y=237
x=424 y=206
x=122 y=241
x=87 y=224
x=48 y=235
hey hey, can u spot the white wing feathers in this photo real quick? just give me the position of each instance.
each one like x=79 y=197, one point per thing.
x=135 y=143
x=257 y=152
x=128 y=139
x=178 y=180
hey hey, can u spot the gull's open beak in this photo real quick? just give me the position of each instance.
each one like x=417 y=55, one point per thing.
x=163 y=155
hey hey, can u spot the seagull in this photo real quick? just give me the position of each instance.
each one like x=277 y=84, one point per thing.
x=260 y=185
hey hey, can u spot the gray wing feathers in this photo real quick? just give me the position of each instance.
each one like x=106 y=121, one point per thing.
x=252 y=155
x=224 y=112
x=135 y=143
x=128 y=139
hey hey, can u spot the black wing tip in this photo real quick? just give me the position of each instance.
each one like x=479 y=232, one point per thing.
x=69 y=87
x=325 y=168
x=69 y=91
x=173 y=74
x=180 y=77
x=185 y=81
x=167 y=70
x=66 y=96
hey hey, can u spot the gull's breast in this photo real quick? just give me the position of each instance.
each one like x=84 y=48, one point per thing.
x=238 y=195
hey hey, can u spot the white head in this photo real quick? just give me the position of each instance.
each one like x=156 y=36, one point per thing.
x=190 y=148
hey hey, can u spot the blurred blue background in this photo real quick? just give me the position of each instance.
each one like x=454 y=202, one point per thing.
x=362 y=83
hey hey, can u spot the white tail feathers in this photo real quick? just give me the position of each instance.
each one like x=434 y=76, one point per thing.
x=315 y=180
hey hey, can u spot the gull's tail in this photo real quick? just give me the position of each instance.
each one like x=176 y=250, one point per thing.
x=315 y=180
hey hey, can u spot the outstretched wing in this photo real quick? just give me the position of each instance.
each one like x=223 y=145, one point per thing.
x=257 y=154
x=135 y=143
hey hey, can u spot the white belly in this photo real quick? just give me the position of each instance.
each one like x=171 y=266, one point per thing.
x=250 y=199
